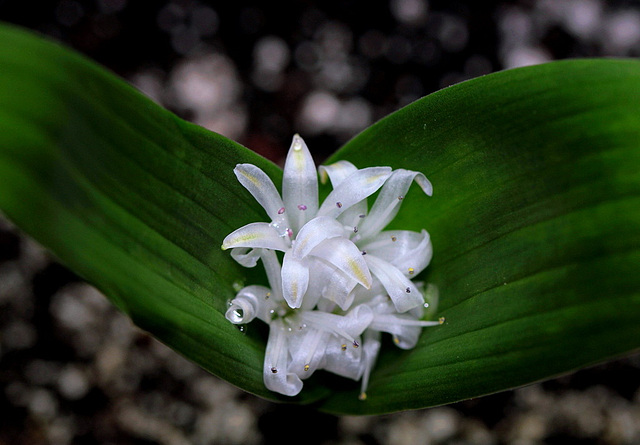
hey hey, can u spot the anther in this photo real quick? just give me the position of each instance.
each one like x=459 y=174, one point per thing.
x=280 y=210
x=289 y=232
x=411 y=271
x=355 y=229
x=362 y=396
x=394 y=239
x=302 y=207
x=362 y=215
x=306 y=367
x=274 y=370
x=364 y=252
x=408 y=290
x=400 y=198
x=441 y=320
x=343 y=347
x=356 y=344
x=339 y=204
x=266 y=297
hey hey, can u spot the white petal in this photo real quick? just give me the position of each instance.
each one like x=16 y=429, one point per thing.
x=356 y=187
x=343 y=358
x=325 y=280
x=295 y=279
x=274 y=272
x=408 y=251
x=255 y=235
x=405 y=329
x=371 y=347
x=246 y=256
x=299 y=184
x=404 y=294
x=251 y=302
x=261 y=187
x=388 y=202
x=313 y=233
x=308 y=348
x=276 y=373
x=336 y=172
x=347 y=326
x=344 y=255
x=338 y=289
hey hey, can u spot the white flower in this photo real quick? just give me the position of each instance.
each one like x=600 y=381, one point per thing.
x=342 y=281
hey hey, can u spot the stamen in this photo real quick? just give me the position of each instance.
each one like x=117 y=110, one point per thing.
x=339 y=204
x=306 y=367
x=441 y=320
x=355 y=229
x=364 y=252
x=356 y=344
x=274 y=370
x=362 y=396
x=400 y=198
x=289 y=232
x=302 y=207
x=408 y=290
x=280 y=210
x=266 y=297
x=411 y=271
x=343 y=347
x=394 y=239
x=361 y=215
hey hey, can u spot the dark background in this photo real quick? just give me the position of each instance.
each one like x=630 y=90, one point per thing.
x=73 y=370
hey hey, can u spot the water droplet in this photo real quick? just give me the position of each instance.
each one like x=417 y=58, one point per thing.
x=297 y=145
x=242 y=327
x=426 y=305
x=237 y=286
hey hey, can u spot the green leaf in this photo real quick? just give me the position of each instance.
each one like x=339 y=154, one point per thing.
x=535 y=222
x=130 y=197
x=535 y=218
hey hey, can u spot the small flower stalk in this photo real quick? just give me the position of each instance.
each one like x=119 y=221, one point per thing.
x=341 y=279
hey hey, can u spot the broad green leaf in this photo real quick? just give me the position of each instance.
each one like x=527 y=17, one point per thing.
x=535 y=218
x=535 y=222
x=131 y=198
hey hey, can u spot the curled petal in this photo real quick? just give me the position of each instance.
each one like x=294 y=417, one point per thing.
x=251 y=302
x=299 y=184
x=347 y=326
x=388 y=202
x=404 y=294
x=408 y=251
x=336 y=172
x=254 y=235
x=356 y=187
x=344 y=255
x=246 y=256
x=276 y=373
x=261 y=188
x=295 y=279
x=313 y=233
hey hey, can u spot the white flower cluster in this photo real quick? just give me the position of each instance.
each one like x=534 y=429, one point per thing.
x=343 y=280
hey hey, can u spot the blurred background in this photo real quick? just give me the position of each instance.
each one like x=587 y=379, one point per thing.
x=75 y=371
